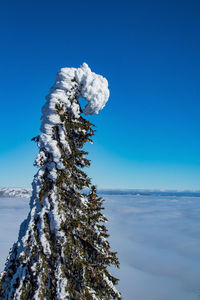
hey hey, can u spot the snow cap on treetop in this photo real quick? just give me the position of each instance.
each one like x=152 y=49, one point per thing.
x=92 y=87
x=70 y=84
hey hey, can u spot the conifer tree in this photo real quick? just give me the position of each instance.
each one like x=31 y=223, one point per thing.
x=62 y=250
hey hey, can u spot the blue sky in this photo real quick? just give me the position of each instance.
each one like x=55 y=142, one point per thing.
x=148 y=134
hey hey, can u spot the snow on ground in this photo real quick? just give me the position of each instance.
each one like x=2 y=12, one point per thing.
x=157 y=239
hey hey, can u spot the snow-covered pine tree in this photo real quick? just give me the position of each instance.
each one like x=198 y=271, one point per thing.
x=62 y=250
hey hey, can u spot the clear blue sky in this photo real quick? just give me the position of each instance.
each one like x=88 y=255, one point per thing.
x=148 y=135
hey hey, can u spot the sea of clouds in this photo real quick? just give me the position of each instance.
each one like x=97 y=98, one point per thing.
x=157 y=239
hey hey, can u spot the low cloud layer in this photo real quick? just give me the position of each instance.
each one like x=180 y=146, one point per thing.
x=157 y=239
x=158 y=243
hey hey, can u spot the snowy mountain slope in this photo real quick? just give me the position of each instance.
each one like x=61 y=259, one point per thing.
x=15 y=193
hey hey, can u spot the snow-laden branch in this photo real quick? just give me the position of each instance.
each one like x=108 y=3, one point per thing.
x=90 y=86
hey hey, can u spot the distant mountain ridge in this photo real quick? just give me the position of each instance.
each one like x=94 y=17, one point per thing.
x=26 y=192
x=146 y=192
x=15 y=192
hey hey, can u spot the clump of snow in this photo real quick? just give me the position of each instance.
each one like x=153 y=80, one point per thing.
x=93 y=88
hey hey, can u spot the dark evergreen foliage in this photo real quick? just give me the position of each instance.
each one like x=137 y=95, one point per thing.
x=62 y=250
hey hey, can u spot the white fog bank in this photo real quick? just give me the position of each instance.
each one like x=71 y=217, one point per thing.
x=157 y=239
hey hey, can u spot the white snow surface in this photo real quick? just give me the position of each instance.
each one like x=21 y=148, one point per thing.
x=157 y=239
